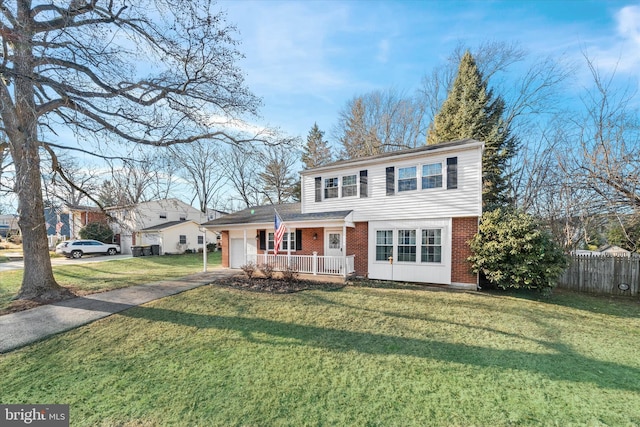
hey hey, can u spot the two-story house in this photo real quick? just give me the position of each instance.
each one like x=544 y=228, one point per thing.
x=169 y=223
x=403 y=216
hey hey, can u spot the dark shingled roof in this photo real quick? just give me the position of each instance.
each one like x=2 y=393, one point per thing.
x=165 y=225
x=289 y=212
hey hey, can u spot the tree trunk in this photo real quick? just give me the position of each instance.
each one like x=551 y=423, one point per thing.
x=21 y=128
x=38 y=282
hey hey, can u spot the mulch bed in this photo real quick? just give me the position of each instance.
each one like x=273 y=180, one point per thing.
x=273 y=285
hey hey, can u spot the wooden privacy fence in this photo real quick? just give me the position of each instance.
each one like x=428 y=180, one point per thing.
x=602 y=275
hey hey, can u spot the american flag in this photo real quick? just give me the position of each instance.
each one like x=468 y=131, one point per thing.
x=279 y=234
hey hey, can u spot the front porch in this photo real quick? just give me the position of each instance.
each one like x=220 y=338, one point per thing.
x=307 y=264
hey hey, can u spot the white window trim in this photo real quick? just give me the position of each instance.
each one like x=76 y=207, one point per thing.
x=271 y=241
x=418 y=246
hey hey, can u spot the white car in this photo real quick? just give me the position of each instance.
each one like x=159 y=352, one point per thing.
x=77 y=248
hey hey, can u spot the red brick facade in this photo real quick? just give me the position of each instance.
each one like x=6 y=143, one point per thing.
x=463 y=229
x=358 y=245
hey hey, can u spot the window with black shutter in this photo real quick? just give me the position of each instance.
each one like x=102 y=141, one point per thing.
x=364 y=184
x=391 y=181
x=452 y=173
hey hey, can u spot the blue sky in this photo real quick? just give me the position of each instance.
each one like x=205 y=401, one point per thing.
x=306 y=59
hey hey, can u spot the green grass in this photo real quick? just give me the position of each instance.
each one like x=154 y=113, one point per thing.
x=102 y=276
x=357 y=356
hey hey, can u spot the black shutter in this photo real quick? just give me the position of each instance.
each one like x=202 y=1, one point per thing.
x=364 y=184
x=263 y=240
x=391 y=181
x=452 y=172
x=298 y=240
x=318 y=189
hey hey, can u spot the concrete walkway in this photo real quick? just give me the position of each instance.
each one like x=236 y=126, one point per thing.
x=25 y=327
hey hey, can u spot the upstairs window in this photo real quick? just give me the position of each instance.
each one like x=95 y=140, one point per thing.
x=331 y=188
x=407 y=180
x=349 y=186
x=163 y=215
x=432 y=176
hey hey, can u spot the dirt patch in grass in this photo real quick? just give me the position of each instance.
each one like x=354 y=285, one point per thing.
x=274 y=285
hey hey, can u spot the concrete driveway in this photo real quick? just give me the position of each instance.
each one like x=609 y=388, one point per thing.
x=19 y=265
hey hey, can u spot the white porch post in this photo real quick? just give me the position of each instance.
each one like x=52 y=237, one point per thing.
x=204 y=249
x=314 y=264
x=286 y=230
x=344 y=249
x=244 y=236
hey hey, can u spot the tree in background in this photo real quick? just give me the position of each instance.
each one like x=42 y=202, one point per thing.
x=316 y=152
x=471 y=111
x=379 y=122
x=114 y=74
x=241 y=167
x=200 y=165
x=279 y=182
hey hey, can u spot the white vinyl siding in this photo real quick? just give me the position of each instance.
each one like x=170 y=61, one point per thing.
x=440 y=202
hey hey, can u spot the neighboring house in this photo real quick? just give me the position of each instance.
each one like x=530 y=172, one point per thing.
x=57 y=225
x=79 y=216
x=613 y=251
x=174 y=237
x=135 y=225
x=404 y=216
x=8 y=225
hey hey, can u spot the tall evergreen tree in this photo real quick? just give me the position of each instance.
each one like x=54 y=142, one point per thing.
x=471 y=111
x=316 y=152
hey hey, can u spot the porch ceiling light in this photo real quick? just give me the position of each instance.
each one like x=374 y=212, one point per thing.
x=315 y=236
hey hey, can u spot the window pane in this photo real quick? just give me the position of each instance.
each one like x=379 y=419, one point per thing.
x=431 y=249
x=330 y=188
x=407 y=245
x=432 y=176
x=407 y=179
x=384 y=245
x=349 y=186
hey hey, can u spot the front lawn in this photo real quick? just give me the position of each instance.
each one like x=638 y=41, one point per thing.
x=354 y=356
x=102 y=276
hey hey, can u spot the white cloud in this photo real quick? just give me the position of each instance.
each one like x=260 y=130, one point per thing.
x=620 y=52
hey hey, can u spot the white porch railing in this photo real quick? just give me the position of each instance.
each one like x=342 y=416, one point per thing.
x=307 y=264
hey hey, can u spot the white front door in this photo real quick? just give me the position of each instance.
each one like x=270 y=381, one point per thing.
x=333 y=242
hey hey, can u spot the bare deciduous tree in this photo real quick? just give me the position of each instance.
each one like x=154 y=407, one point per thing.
x=151 y=72
x=278 y=180
x=379 y=122
x=201 y=168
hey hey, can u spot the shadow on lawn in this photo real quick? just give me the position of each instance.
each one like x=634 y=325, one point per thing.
x=565 y=364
